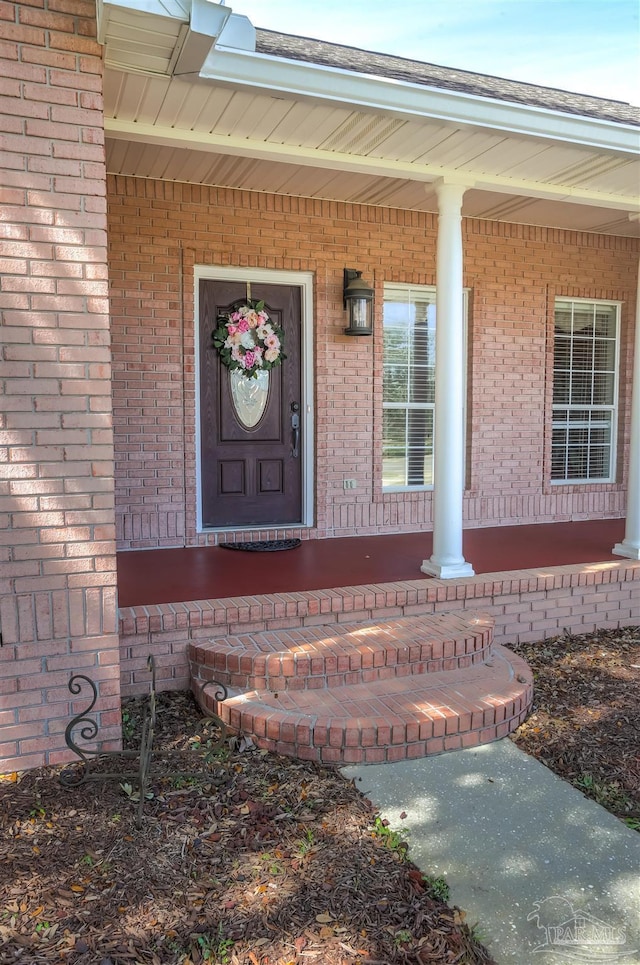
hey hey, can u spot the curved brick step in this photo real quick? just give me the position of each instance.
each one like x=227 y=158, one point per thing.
x=385 y=719
x=314 y=657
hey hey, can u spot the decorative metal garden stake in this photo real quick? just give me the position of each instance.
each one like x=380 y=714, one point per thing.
x=74 y=777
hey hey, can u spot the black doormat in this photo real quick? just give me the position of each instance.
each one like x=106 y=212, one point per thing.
x=263 y=545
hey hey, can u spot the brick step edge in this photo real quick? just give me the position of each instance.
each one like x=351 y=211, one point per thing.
x=498 y=711
x=331 y=656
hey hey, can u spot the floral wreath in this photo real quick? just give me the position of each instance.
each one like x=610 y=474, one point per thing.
x=247 y=339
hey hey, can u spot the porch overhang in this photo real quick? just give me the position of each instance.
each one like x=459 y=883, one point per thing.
x=298 y=127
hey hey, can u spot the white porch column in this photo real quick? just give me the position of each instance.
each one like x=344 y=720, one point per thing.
x=447 y=561
x=630 y=546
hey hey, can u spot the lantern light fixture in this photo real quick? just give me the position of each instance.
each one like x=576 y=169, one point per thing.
x=358 y=301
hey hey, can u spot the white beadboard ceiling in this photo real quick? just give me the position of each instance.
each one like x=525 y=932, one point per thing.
x=254 y=137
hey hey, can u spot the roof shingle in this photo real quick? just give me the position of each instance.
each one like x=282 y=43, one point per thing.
x=445 y=78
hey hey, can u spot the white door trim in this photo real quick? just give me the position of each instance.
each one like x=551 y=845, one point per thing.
x=304 y=281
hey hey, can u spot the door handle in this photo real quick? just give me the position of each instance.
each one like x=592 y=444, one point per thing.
x=295 y=426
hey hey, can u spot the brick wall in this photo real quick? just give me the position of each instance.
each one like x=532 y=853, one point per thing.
x=57 y=585
x=158 y=232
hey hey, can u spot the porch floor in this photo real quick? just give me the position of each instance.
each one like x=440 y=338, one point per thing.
x=179 y=575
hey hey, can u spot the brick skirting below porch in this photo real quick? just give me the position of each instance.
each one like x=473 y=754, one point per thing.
x=525 y=604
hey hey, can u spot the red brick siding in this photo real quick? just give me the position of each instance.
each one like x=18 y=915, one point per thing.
x=57 y=584
x=158 y=231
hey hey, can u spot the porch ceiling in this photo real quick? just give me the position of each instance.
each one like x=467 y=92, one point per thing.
x=345 y=137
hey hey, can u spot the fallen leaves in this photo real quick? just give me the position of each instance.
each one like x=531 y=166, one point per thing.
x=277 y=857
x=268 y=861
x=586 y=713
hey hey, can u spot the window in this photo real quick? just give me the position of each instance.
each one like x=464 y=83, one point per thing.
x=585 y=391
x=409 y=387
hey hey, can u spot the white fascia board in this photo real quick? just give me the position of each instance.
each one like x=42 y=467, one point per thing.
x=358 y=164
x=342 y=87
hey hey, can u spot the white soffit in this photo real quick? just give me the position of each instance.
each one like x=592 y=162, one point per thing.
x=301 y=79
x=137 y=159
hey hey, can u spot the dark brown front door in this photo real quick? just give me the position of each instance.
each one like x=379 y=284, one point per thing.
x=251 y=473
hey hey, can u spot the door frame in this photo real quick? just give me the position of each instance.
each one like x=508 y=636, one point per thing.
x=304 y=281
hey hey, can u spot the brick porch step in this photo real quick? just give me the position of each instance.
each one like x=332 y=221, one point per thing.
x=331 y=656
x=443 y=685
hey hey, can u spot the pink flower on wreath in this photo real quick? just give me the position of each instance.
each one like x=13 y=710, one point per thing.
x=247 y=340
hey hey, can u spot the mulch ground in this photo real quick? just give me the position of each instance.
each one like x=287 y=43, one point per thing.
x=269 y=861
x=585 y=723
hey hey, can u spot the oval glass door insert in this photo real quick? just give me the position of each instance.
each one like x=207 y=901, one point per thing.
x=249 y=396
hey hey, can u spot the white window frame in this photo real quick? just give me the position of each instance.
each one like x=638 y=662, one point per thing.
x=612 y=410
x=389 y=288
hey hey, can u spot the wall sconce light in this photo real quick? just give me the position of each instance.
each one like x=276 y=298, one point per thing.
x=358 y=300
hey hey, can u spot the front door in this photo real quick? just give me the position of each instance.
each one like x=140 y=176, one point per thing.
x=250 y=431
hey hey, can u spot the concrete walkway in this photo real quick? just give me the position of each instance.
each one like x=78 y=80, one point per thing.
x=550 y=877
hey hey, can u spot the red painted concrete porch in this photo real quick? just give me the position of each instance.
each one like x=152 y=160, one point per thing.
x=204 y=573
